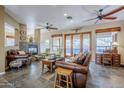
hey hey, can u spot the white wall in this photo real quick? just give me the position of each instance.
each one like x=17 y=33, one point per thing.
x=47 y=35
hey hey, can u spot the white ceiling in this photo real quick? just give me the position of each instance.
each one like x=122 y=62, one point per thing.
x=33 y=15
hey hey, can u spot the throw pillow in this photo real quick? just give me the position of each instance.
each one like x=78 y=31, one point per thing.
x=80 y=60
x=21 y=52
x=80 y=54
x=75 y=58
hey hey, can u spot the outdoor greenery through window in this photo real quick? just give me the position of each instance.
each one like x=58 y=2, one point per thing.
x=104 y=41
x=10 y=35
x=76 y=44
x=86 y=43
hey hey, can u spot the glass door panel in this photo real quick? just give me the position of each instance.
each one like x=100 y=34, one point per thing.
x=76 y=44
x=86 y=43
x=68 y=45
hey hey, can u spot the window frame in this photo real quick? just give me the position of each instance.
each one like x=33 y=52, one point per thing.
x=81 y=42
x=59 y=46
x=9 y=34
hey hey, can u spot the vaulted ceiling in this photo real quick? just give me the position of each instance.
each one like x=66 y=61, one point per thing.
x=34 y=15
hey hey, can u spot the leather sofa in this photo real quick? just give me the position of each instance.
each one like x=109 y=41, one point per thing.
x=15 y=55
x=80 y=72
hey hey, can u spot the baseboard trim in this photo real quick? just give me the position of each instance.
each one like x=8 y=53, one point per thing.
x=2 y=73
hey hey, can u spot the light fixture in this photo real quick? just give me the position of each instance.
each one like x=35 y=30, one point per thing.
x=115 y=47
x=65 y=14
x=115 y=44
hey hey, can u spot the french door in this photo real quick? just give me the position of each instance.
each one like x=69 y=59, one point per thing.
x=86 y=42
x=68 y=45
x=76 y=43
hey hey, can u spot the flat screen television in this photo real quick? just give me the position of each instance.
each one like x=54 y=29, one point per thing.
x=33 y=49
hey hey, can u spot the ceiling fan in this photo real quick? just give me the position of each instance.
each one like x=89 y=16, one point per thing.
x=101 y=16
x=48 y=27
x=77 y=29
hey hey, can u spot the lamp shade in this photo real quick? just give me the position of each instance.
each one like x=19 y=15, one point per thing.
x=115 y=44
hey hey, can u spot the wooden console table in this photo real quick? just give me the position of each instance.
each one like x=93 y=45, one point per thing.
x=115 y=59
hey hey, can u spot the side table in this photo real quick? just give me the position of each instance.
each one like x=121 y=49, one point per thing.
x=49 y=63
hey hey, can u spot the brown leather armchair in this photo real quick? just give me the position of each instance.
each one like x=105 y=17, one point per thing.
x=79 y=76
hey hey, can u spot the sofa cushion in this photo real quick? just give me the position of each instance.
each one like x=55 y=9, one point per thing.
x=74 y=59
x=80 y=54
x=21 y=52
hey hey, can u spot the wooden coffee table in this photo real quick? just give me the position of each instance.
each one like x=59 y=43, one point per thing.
x=49 y=63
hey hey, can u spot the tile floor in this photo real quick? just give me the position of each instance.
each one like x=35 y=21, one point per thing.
x=32 y=77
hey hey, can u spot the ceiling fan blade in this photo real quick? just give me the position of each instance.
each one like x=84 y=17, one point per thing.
x=110 y=18
x=85 y=9
x=40 y=27
x=96 y=12
x=53 y=28
x=96 y=21
x=101 y=10
x=106 y=6
x=91 y=19
x=114 y=11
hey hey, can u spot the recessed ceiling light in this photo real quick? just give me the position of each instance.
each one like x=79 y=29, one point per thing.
x=65 y=14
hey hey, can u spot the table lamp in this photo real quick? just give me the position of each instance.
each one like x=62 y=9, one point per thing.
x=115 y=47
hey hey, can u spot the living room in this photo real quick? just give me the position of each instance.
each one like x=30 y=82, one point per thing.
x=47 y=39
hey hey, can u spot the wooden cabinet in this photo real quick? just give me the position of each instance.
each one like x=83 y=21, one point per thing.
x=115 y=59
x=98 y=58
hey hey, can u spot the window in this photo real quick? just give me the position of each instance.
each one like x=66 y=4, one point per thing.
x=10 y=35
x=104 y=41
x=68 y=45
x=45 y=45
x=76 y=44
x=86 y=43
x=56 y=44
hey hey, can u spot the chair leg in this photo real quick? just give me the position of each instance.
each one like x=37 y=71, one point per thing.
x=59 y=80
x=55 y=80
x=71 y=81
x=42 y=67
x=67 y=82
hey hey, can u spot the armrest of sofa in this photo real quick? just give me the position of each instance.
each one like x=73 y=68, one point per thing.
x=29 y=54
x=72 y=66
